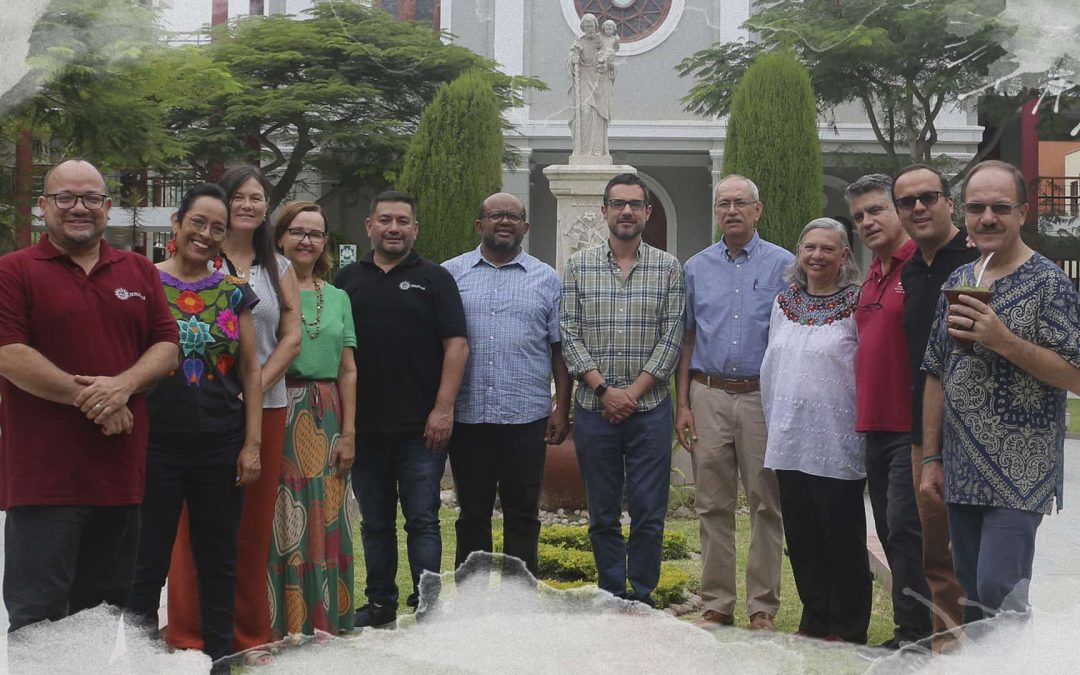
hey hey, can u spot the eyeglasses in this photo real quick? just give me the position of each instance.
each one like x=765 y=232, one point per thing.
x=927 y=199
x=199 y=224
x=512 y=217
x=739 y=204
x=620 y=204
x=999 y=209
x=65 y=200
x=298 y=234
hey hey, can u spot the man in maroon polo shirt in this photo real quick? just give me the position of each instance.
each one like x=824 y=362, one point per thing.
x=83 y=329
x=883 y=402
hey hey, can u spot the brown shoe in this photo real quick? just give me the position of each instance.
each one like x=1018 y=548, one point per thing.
x=761 y=621
x=713 y=619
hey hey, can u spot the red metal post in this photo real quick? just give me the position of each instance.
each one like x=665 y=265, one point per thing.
x=1029 y=157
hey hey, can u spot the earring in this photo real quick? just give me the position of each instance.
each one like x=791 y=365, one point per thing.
x=218 y=262
x=170 y=246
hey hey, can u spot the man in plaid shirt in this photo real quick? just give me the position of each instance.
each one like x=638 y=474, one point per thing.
x=622 y=326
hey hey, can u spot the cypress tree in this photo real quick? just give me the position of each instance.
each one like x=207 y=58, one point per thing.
x=772 y=139
x=453 y=162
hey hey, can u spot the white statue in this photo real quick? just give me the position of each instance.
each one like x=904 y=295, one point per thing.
x=592 y=83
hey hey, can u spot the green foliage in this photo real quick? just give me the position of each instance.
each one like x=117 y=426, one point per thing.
x=340 y=91
x=673 y=587
x=901 y=62
x=100 y=85
x=566 y=564
x=453 y=162
x=676 y=544
x=772 y=138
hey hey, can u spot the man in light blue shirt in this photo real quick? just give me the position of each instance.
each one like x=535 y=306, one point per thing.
x=503 y=415
x=730 y=288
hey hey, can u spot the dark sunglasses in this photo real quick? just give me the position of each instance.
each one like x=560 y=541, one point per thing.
x=927 y=199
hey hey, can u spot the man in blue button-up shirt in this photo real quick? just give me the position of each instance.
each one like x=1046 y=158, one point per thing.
x=503 y=415
x=730 y=288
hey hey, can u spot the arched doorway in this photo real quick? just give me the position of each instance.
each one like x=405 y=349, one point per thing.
x=655 y=233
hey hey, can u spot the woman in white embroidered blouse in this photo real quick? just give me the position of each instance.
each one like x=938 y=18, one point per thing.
x=808 y=395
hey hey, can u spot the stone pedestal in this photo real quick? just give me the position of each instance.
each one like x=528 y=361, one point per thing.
x=579 y=190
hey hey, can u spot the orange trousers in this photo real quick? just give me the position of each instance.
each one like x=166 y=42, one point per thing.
x=251 y=618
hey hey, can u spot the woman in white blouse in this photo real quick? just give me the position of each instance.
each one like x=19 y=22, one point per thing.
x=808 y=394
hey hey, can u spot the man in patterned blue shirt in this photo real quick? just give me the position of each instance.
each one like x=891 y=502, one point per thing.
x=503 y=417
x=622 y=323
x=994 y=417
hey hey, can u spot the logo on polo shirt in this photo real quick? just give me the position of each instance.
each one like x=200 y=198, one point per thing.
x=125 y=294
x=405 y=285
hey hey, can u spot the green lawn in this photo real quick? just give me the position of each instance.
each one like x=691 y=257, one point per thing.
x=790 y=609
x=1074 y=415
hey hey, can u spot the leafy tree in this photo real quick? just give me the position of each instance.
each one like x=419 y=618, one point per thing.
x=100 y=84
x=340 y=92
x=902 y=62
x=772 y=138
x=453 y=162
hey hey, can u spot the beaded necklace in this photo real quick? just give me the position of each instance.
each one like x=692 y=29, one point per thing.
x=317 y=323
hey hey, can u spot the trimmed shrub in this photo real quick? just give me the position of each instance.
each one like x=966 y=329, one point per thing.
x=567 y=564
x=454 y=161
x=674 y=586
x=772 y=139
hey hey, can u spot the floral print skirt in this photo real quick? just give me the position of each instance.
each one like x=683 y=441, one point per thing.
x=311 y=552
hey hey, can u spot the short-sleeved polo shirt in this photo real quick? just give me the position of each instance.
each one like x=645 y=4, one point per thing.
x=401 y=318
x=85 y=324
x=882 y=378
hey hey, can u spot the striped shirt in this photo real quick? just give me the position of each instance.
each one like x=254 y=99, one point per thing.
x=622 y=327
x=512 y=313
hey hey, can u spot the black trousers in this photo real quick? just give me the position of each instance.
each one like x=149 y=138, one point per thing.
x=59 y=560
x=896 y=518
x=825 y=527
x=214 y=504
x=508 y=458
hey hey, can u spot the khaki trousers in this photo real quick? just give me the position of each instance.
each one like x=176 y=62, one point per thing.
x=731 y=443
x=945 y=589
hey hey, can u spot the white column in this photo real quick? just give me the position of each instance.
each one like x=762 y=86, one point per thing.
x=508 y=45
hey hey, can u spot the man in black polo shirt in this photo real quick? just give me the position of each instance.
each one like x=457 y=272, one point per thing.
x=411 y=350
x=922 y=200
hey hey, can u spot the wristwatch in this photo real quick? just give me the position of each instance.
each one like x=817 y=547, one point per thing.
x=600 y=389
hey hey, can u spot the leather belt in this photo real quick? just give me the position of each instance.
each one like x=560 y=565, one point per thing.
x=744 y=386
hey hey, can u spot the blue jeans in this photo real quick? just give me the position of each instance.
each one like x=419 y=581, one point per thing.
x=388 y=465
x=993 y=548
x=637 y=453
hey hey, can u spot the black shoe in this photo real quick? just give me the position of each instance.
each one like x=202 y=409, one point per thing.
x=374 y=615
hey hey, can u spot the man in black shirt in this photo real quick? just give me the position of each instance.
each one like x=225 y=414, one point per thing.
x=922 y=200
x=411 y=350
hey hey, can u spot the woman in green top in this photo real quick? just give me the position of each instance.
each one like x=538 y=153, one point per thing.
x=311 y=553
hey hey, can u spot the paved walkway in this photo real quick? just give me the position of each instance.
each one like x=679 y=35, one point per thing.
x=1056 y=582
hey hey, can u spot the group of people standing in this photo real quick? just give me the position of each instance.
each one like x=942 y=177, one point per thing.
x=200 y=421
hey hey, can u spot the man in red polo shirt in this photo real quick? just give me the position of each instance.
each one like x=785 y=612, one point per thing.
x=83 y=329
x=883 y=402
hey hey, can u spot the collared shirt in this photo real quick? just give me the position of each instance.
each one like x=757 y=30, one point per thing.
x=882 y=377
x=1004 y=430
x=512 y=313
x=401 y=318
x=99 y=323
x=728 y=304
x=619 y=326
x=922 y=292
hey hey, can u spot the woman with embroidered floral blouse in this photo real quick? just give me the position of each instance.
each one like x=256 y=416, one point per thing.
x=205 y=424
x=808 y=395
x=311 y=557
